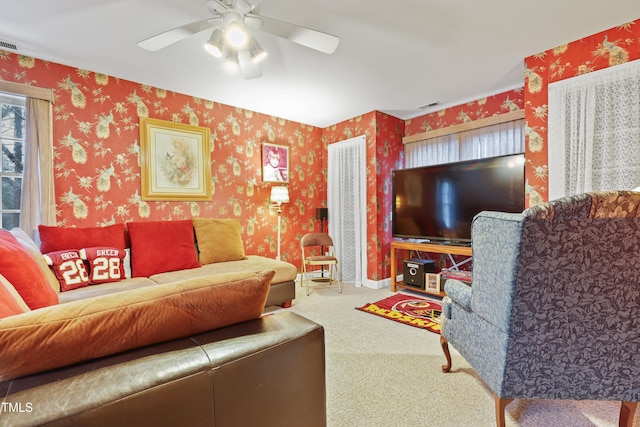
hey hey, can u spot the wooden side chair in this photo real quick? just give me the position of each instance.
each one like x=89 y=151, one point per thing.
x=311 y=244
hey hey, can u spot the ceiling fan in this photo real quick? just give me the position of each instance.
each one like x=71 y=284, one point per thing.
x=231 y=39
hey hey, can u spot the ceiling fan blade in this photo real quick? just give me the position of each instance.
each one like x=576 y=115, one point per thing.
x=250 y=70
x=313 y=39
x=167 y=38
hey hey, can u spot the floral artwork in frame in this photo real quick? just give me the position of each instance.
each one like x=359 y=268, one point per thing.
x=275 y=163
x=174 y=161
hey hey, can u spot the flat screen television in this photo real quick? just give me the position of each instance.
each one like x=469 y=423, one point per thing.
x=437 y=203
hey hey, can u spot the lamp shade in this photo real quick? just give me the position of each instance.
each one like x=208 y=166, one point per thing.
x=280 y=194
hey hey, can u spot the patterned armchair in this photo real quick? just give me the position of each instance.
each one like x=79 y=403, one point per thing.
x=554 y=310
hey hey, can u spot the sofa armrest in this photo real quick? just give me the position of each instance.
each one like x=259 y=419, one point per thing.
x=459 y=292
x=266 y=372
x=269 y=373
x=95 y=327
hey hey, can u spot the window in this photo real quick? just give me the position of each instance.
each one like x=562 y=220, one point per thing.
x=12 y=140
x=487 y=141
x=594 y=129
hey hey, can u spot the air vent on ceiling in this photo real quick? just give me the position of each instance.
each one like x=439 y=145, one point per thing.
x=429 y=105
x=9 y=45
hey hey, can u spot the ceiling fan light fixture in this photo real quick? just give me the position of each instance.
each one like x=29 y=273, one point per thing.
x=256 y=51
x=231 y=62
x=236 y=35
x=231 y=39
x=215 y=43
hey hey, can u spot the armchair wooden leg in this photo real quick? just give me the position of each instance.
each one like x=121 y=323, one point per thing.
x=445 y=348
x=501 y=405
x=627 y=411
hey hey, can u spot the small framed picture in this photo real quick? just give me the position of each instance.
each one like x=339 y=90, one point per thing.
x=432 y=283
x=275 y=163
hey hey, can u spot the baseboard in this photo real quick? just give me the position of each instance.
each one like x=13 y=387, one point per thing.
x=378 y=284
x=381 y=284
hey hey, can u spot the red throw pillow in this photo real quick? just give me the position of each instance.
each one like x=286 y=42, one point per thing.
x=105 y=264
x=61 y=238
x=69 y=269
x=22 y=271
x=161 y=246
x=8 y=304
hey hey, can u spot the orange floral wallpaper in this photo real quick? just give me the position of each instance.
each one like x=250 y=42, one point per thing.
x=97 y=165
x=96 y=146
x=602 y=50
x=384 y=153
x=480 y=109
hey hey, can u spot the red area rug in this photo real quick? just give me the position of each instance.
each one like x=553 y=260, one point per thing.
x=408 y=309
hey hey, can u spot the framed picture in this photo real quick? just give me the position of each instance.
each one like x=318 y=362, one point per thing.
x=174 y=161
x=432 y=283
x=275 y=163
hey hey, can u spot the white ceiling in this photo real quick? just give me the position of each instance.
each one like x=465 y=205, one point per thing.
x=393 y=55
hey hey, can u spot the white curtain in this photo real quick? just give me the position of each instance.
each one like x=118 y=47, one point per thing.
x=594 y=131
x=38 y=199
x=347 y=207
x=489 y=141
x=432 y=151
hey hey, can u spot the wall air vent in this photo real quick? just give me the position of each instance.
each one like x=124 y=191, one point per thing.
x=9 y=45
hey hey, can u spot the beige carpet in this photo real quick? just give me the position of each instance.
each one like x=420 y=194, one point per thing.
x=383 y=373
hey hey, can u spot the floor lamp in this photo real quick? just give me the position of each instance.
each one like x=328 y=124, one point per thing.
x=279 y=195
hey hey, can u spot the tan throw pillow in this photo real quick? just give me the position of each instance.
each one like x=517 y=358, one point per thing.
x=218 y=240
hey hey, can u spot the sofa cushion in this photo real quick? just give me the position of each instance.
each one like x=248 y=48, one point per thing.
x=69 y=268
x=159 y=246
x=218 y=239
x=105 y=264
x=19 y=268
x=111 y=288
x=82 y=330
x=33 y=249
x=56 y=238
x=11 y=303
x=284 y=271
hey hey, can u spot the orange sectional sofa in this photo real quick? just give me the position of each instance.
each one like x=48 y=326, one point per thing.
x=186 y=345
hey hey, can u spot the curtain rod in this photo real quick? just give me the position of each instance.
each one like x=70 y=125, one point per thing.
x=26 y=90
x=487 y=121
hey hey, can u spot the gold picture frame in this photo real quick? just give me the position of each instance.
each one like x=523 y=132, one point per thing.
x=432 y=283
x=174 y=161
x=275 y=163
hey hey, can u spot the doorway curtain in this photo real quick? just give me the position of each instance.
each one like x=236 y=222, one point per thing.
x=347 y=207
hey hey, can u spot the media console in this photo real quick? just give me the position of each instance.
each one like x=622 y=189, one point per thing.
x=421 y=247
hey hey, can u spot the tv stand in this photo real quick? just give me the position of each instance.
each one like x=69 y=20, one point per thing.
x=421 y=247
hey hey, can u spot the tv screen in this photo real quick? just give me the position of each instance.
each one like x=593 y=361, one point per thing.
x=438 y=203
